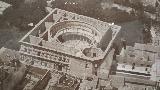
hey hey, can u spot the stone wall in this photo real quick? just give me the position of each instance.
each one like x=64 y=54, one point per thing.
x=52 y=60
x=80 y=68
x=41 y=84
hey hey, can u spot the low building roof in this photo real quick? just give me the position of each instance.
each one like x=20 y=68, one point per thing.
x=146 y=47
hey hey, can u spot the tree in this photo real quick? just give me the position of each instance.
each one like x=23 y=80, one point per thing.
x=29 y=11
x=14 y=3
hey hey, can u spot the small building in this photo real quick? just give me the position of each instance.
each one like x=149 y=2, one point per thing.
x=131 y=83
x=136 y=61
x=34 y=79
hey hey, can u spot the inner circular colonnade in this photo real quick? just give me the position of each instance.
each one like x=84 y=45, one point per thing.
x=79 y=35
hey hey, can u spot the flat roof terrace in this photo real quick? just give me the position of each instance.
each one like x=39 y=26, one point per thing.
x=61 y=26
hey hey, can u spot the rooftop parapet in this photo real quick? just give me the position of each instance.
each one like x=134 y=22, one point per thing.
x=61 y=26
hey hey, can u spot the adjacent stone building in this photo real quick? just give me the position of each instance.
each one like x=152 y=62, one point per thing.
x=136 y=61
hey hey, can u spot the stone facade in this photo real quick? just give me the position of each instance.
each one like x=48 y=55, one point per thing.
x=68 y=42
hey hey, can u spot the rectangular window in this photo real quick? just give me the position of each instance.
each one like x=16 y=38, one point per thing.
x=94 y=54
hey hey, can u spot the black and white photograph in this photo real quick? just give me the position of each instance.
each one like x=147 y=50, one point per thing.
x=79 y=44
